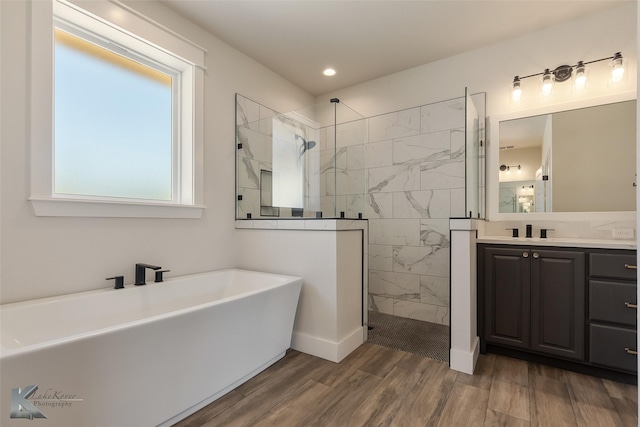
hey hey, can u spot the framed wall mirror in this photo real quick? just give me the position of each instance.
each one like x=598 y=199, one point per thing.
x=564 y=163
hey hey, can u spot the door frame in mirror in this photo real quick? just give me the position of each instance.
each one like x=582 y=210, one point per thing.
x=493 y=162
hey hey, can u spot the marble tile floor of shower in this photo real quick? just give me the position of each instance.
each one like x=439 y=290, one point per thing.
x=377 y=386
x=413 y=336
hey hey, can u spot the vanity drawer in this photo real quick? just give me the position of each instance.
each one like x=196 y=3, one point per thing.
x=612 y=347
x=615 y=266
x=610 y=302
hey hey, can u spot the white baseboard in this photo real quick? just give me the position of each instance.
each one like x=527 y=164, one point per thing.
x=465 y=361
x=325 y=349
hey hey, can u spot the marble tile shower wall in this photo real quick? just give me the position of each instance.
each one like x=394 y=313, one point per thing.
x=343 y=169
x=415 y=178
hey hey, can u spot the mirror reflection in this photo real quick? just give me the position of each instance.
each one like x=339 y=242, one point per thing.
x=571 y=161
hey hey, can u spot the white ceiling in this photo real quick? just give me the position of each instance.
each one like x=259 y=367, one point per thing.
x=367 y=39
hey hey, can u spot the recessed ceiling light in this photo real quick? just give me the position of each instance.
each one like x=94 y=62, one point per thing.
x=329 y=72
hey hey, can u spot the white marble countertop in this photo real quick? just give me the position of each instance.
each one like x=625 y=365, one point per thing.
x=571 y=242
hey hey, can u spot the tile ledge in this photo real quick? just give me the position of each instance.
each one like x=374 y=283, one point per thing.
x=328 y=224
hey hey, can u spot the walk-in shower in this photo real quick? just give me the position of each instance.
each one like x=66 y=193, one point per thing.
x=304 y=163
x=407 y=171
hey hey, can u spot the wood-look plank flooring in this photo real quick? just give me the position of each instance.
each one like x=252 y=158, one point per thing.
x=379 y=386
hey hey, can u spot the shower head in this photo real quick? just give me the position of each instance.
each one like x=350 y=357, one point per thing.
x=306 y=145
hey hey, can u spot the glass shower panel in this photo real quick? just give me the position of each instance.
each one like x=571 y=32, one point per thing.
x=294 y=178
x=347 y=184
x=304 y=163
x=253 y=158
x=474 y=161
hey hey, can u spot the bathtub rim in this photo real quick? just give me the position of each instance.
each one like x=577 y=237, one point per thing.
x=7 y=352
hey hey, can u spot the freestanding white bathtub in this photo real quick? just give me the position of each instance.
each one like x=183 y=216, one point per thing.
x=141 y=356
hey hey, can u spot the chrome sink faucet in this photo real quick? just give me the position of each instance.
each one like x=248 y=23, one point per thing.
x=141 y=272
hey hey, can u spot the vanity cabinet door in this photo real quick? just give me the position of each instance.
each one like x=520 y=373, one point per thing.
x=507 y=296
x=557 y=303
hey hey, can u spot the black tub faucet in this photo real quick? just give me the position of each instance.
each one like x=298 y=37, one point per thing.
x=529 y=230
x=119 y=284
x=140 y=272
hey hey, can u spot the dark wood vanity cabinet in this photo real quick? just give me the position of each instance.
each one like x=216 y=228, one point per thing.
x=534 y=299
x=569 y=303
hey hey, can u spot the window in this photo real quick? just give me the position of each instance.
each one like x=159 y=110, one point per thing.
x=125 y=139
x=113 y=123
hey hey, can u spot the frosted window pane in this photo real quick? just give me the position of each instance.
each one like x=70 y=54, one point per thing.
x=113 y=120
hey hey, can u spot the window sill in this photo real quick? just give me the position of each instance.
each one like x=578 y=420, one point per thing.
x=108 y=209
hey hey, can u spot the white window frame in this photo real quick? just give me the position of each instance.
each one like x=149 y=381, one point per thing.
x=129 y=29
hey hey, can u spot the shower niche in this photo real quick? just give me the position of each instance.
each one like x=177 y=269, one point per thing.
x=305 y=163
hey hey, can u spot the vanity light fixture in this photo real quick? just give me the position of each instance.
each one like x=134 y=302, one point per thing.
x=564 y=72
x=507 y=168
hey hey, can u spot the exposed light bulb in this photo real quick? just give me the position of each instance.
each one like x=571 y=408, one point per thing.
x=519 y=169
x=329 y=72
x=516 y=91
x=617 y=74
x=508 y=170
x=617 y=68
x=581 y=76
x=547 y=83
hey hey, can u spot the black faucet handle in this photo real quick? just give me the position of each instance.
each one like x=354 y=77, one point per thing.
x=119 y=281
x=543 y=232
x=514 y=231
x=159 y=275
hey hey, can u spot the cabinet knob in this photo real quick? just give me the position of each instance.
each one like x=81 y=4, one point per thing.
x=630 y=305
x=630 y=267
x=628 y=350
x=536 y=255
x=525 y=254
